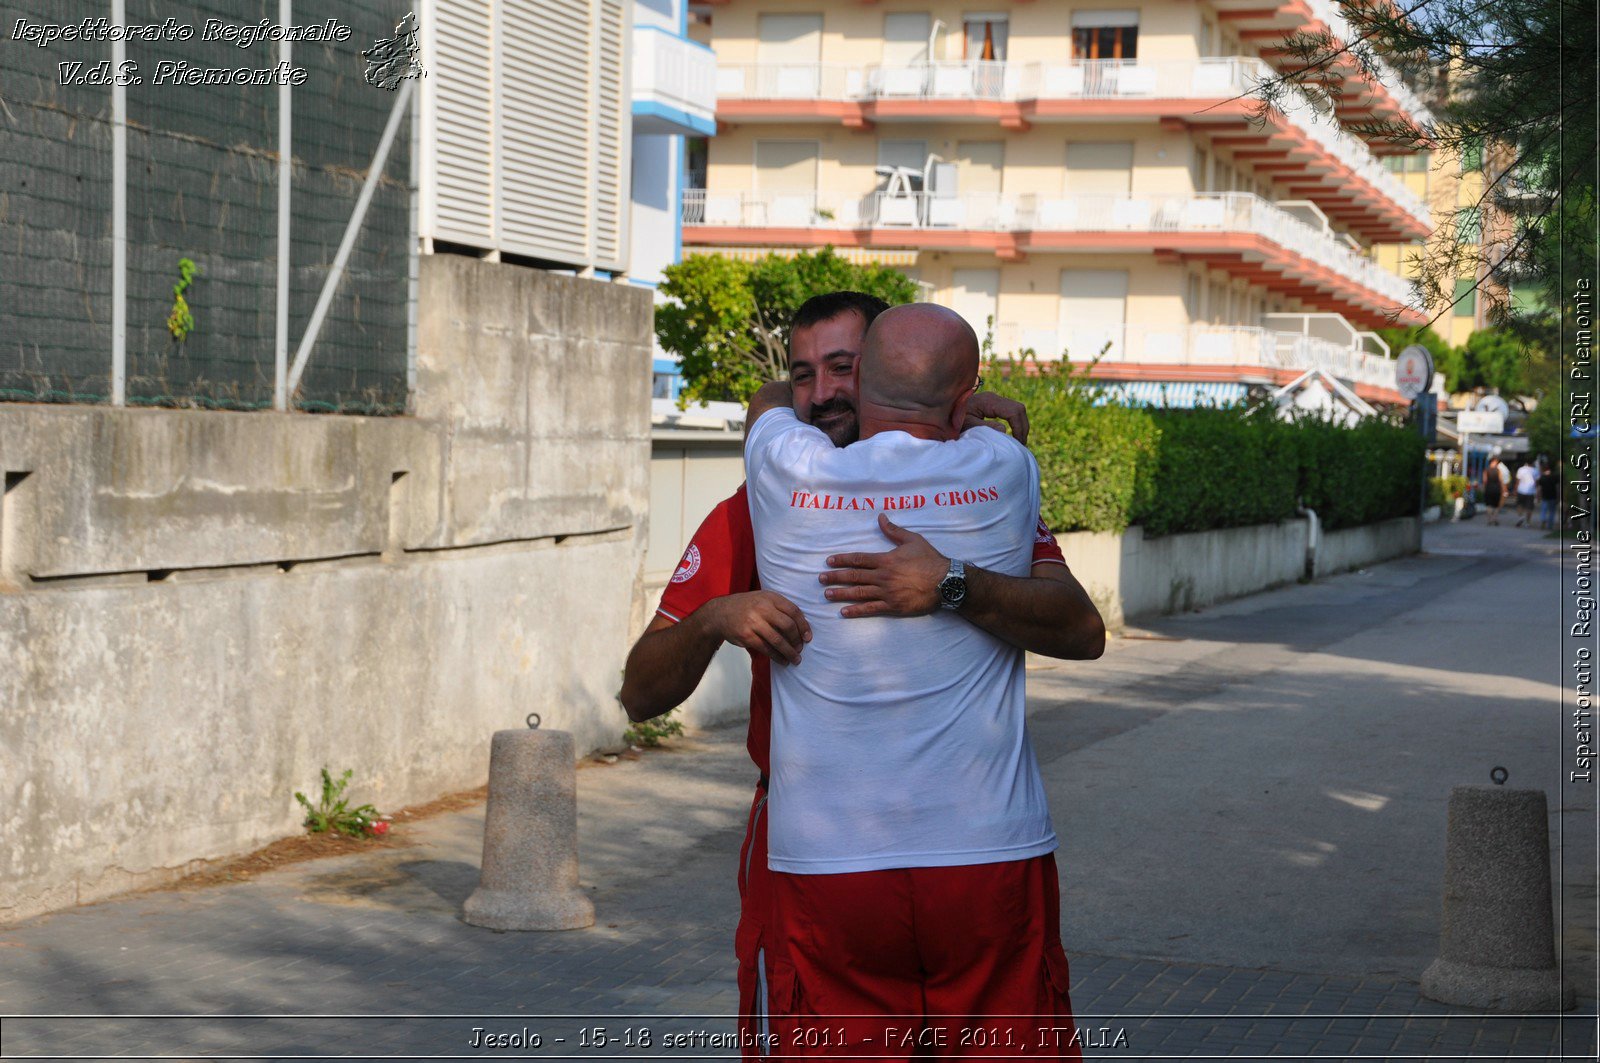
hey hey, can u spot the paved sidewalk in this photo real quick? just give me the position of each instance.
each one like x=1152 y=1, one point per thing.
x=1251 y=801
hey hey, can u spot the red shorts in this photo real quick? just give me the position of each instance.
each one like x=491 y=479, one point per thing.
x=751 y=943
x=927 y=962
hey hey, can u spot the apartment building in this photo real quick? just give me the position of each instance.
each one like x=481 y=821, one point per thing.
x=1459 y=184
x=1076 y=179
x=674 y=97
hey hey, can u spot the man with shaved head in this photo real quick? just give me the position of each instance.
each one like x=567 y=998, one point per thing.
x=915 y=901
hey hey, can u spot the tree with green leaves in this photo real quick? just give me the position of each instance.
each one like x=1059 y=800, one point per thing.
x=728 y=320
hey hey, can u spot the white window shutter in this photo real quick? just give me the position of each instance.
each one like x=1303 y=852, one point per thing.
x=613 y=131
x=463 y=101
x=530 y=118
x=545 y=58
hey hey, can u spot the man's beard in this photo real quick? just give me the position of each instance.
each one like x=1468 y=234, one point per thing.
x=837 y=419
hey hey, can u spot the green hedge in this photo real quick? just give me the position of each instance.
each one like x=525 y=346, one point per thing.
x=1105 y=467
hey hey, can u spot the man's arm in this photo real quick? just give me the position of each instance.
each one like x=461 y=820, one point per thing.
x=772 y=395
x=670 y=659
x=1047 y=612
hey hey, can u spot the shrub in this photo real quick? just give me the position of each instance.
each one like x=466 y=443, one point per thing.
x=1095 y=462
x=1104 y=466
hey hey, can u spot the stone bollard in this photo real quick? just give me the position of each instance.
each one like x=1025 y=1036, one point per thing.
x=530 y=837
x=1497 y=941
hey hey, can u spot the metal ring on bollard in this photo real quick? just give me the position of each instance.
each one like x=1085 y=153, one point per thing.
x=1499 y=775
x=533 y=721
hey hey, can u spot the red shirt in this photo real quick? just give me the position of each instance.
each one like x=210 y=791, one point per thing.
x=721 y=560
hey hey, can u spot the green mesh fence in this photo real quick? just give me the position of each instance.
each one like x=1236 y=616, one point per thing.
x=202 y=186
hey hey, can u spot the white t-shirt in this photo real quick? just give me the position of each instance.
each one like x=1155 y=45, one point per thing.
x=896 y=742
x=1527 y=479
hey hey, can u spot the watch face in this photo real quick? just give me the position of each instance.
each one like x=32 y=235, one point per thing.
x=953 y=590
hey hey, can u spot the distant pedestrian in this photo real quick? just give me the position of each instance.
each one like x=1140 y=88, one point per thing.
x=1548 y=493
x=1495 y=482
x=1527 y=491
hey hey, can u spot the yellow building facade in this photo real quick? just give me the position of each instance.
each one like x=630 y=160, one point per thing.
x=1074 y=180
x=1452 y=183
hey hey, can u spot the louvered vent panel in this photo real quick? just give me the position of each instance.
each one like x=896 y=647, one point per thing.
x=462 y=87
x=545 y=152
x=613 y=119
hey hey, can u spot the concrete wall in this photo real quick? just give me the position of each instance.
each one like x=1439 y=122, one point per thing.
x=203 y=609
x=1130 y=576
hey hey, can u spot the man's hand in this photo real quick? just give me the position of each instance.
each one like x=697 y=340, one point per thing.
x=987 y=406
x=902 y=582
x=1046 y=612
x=762 y=621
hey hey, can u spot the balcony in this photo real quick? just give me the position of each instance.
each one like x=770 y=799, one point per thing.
x=674 y=84
x=1238 y=233
x=1202 y=352
x=1362 y=97
x=1210 y=98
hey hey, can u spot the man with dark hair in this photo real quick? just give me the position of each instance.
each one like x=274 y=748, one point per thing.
x=715 y=596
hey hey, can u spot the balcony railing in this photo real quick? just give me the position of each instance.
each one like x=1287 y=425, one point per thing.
x=807 y=210
x=1329 y=12
x=791 y=81
x=679 y=73
x=944 y=80
x=969 y=79
x=1229 y=212
x=1101 y=79
x=1195 y=345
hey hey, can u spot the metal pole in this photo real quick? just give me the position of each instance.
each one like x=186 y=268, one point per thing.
x=413 y=257
x=330 y=285
x=119 y=211
x=280 y=347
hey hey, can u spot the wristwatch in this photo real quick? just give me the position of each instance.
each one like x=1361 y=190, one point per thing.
x=953 y=588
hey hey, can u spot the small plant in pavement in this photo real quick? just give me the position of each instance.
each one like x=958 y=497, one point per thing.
x=333 y=814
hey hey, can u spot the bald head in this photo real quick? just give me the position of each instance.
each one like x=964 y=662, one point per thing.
x=917 y=362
